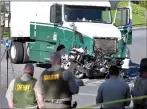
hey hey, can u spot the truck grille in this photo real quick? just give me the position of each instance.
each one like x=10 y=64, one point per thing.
x=107 y=44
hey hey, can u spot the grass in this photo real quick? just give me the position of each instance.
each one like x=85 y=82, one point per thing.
x=138 y=14
x=5 y=34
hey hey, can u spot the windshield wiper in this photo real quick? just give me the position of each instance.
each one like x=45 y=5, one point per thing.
x=91 y=21
x=99 y=21
x=80 y=21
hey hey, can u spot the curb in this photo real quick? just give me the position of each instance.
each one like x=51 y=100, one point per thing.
x=134 y=28
x=139 y=28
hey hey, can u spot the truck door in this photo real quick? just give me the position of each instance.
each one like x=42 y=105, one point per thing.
x=123 y=20
x=56 y=19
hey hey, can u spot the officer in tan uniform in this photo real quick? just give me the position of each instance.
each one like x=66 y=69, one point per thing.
x=20 y=93
x=55 y=87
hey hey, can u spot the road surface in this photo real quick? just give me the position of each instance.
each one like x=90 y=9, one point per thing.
x=87 y=93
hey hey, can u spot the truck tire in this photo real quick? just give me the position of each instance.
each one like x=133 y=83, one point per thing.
x=16 y=52
x=25 y=57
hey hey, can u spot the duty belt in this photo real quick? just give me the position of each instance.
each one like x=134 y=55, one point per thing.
x=58 y=102
x=32 y=107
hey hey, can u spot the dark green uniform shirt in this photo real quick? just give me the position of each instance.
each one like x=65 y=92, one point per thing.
x=66 y=76
x=54 y=85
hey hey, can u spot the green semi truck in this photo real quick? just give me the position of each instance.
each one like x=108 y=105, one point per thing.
x=41 y=28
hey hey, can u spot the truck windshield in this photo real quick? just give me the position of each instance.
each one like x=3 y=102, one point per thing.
x=87 y=14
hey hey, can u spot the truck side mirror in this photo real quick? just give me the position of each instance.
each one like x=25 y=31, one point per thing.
x=122 y=16
x=56 y=13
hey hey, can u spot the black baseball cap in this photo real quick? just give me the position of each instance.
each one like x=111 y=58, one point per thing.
x=56 y=56
x=113 y=70
x=143 y=65
x=143 y=62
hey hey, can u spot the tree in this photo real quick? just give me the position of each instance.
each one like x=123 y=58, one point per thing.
x=136 y=2
x=143 y=4
x=3 y=7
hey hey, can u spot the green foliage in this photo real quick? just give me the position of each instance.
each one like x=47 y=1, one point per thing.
x=2 y=7
x=138 y=13
x=6 y=34
x=143 y=4
x=136 y=9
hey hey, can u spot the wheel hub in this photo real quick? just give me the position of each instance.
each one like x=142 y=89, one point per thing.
x=28 y=50
x=13 y=52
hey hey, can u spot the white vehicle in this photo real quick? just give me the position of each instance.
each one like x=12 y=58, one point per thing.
x=40 y=28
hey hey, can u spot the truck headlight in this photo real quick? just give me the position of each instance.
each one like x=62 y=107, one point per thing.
x=127 y=52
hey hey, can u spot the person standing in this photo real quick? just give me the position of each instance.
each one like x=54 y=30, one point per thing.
x=113 y=89
x=55 y=87
x=140 y=86
x=20 y=93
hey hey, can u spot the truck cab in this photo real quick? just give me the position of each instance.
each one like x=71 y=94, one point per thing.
x=46 y=27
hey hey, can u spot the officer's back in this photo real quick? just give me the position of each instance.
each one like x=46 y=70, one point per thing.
x=20 y=93
x=58 y=86
x=113 y=89
x=55 y=85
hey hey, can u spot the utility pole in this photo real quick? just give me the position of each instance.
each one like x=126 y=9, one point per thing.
x=146 y=31
x=0 y=41
x=130 y=7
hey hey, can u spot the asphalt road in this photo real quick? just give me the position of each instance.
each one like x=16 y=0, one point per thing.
x=87 y=93
x=138 y=48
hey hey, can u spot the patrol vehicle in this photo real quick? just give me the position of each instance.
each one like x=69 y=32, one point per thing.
x=84 y=32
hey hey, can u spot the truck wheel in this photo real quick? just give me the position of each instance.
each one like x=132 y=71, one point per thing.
x=16 y=52
x=26 y=50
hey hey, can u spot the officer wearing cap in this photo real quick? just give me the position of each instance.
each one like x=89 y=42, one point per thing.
x=20 y=93
x=55 y=87
x=140 y=86
x=113 y=89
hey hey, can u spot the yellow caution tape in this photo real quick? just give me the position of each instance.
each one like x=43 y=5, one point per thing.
x=116 y=101
x=110 y=102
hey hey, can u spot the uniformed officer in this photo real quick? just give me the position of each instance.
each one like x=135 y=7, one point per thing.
x=20 y=93
x=55 y=86
x=113 y=89
x=140 y=86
